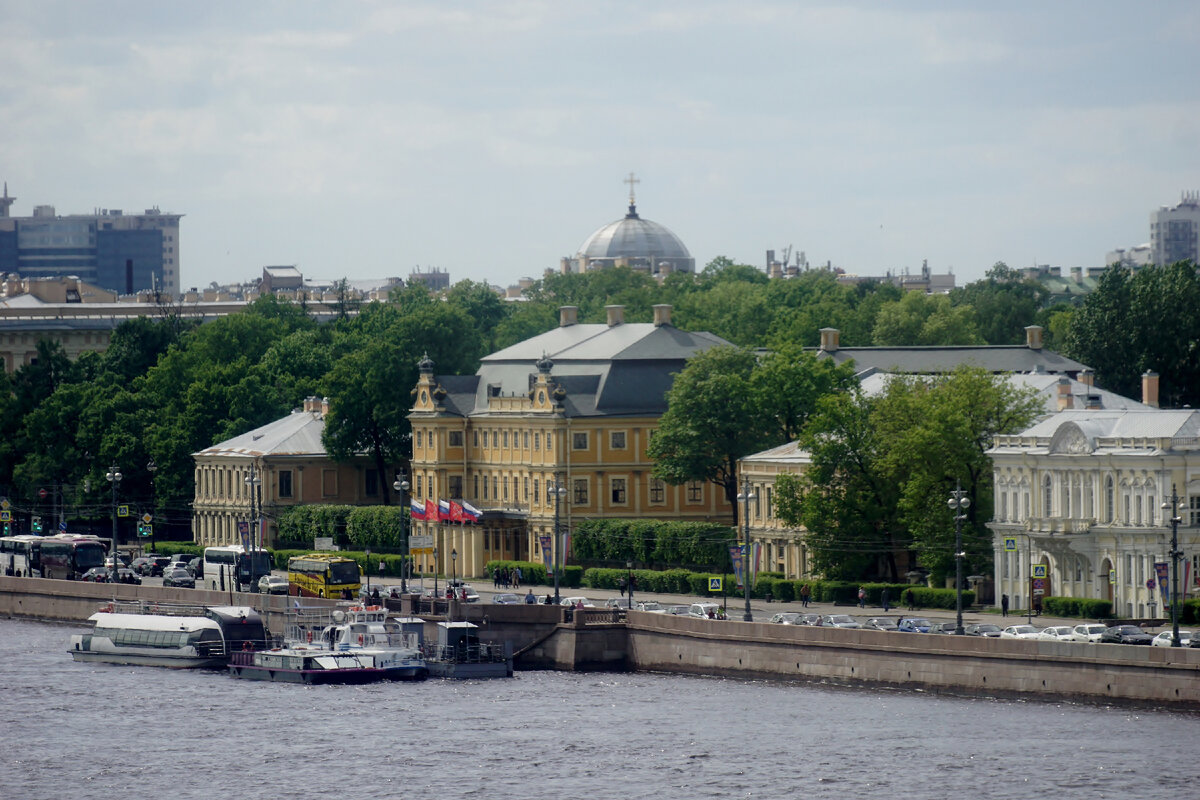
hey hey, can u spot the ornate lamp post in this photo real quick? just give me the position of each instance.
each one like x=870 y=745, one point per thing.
x=114 y=477
x=254 y=486
x=151 y=467
x=401 y=487
x=559 y=491
x=453 y=572
x=435 y=574
x=1175 y=553
x=744 y=497
x=958 y=503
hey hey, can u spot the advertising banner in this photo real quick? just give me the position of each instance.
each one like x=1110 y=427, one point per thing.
x=547 y=555
x=735 y=555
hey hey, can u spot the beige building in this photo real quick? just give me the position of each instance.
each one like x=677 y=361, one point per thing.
x=574 y=407
x=1080 y=495
x=288 y=460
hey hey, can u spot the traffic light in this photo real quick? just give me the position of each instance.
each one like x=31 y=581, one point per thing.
x=37 y=524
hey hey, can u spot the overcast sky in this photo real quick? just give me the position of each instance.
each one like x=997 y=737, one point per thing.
x=490 y=139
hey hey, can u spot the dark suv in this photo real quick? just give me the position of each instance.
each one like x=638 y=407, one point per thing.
x=154 y=565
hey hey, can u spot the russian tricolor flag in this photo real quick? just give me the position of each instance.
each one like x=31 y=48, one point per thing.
x=470 y=512
x=443 y=510
x=416 y=509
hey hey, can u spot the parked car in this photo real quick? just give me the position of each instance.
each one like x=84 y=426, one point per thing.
x=1019 y=632
x=704 y=610
x=1087 y=633
x=1056 y=633
x=652 y=607
x=617 y=602
x=1166 y=639
x=575 y=601
x=787 y=618
x=506 y=600
x=465 y=591
x=1125 y=634
x=273 y=584
x=914 y=625
x=840 y=621
x=156 y=565
x=985 y=629
x=677 y=610
x=810 y=619
x=140 y=565
x=950 y=628
x=881 y=624
x=96 y=575
x=179 y=577
x=195 y=567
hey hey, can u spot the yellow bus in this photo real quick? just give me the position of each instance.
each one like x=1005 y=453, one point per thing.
x=323 y=575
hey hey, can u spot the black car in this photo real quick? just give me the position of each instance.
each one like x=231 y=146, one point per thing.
x=195 y=567
x=179 y=577
x=154 y=565
x=1126 y=634
x=983 y=629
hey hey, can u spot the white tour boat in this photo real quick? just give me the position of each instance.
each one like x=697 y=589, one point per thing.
x=168 y=636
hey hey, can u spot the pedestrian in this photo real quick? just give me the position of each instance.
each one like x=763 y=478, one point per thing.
x=1004 y=605
x=516 y=577
x=862 y=597
x=910 y=597
x=805 y=595
x=382 y=567
x=1037 y=606
x=883 y=598
x=548 y=601
x=529 y=598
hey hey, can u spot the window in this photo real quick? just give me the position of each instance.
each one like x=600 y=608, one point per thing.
x=504 y=483
x=420 y=493
x=618 y=491
x=1047 y=496
x=526 y=485
x=579 y=441
x=658 y=491
x=549 y=443
x=525 y=439
x=1109 y=500
x=475 y=438
x=616 y=440
x=372 y=482
x=456 y=486
x=536 y=488
x=537 y=441
x=485 y=487
x=455 y=438
x=770 y=503
x=285 y=483
x=695 y=492
x=506 y=438
x=581 y=492
x=329 y=483
x=1194 y=512
x=495 y=488
x=476 y=494
x=419 y=436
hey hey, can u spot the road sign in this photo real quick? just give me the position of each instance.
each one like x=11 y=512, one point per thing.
x=42 y=493
x=5 y=504
x=714 y=584
x=147 y=518
x=1150 y=583
x=1039 y=570
x=1112 y=576
x=420 y=542
x=5 y=516
x=1010 y=544
x=122 y=511
x=145 y=529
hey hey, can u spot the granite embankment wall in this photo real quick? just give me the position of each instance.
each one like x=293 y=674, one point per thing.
x=544 y=638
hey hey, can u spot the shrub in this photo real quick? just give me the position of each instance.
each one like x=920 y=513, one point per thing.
x=1189 y=611
x=1077 y=607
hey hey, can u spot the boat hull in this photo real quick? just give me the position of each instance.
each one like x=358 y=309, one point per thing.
x=86 y=648
x=311 y=677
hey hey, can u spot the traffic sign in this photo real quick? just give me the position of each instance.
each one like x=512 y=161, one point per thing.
x=122 y=511
x=147 y=518
x=42 y=493
x=1112 y=576
x=420 y=542
x=1039 y=570
x=5 y=504
x=714 y=584
x=5 y=516
x=1010 y=544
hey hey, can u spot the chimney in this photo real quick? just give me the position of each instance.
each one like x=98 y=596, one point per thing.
x=616 y=315
x=1065 y=401
x=662 y=315
x=324 y=407
x=567 y=316
x=1033 y=337
x=1077 y=274
x=1087 y=377
x=310 y=403
x=829 y=339
x=1150 y=388
x=1093 y=402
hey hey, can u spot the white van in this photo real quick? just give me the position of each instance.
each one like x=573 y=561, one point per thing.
x=704 y=610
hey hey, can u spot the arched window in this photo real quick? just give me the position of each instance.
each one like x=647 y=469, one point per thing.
x=1047 y=496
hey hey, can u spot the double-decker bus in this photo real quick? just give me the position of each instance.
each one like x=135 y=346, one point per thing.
x=234 y=567
x=323 y=575
x=20 y=555
x=69 y=555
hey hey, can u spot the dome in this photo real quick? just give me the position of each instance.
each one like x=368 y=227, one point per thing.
x=637 y=242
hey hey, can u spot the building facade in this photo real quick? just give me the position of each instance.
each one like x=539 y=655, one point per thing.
x=1079 y=500
x=121 y=252
x=573 y=408
x=1175 y=231
x=287 y=464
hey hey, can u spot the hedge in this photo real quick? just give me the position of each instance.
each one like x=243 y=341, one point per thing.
x=1077 y=607
x=668 y=543
x=534 y=573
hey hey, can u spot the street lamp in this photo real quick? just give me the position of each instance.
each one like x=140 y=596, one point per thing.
x=744 y=497
x=401 y=487
x=559 y=491
x=453 y=573
x=114 y=477
x=435 y=573
x=1175 y=553
x=367 y=568
x=629 y=582
x=151 y=467
x=254 y=484
x=958 y=503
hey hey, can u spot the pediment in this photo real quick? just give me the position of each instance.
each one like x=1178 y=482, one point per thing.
x=1069 y=439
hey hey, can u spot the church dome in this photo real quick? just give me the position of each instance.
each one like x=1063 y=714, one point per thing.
x=637 y=243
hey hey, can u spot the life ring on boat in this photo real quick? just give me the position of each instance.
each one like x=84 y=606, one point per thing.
x=107 y=608
x=310 y=636
x=356 y=608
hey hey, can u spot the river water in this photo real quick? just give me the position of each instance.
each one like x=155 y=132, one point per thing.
x=101 y=731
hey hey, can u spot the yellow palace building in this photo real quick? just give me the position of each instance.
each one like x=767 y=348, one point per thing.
x=571 y=409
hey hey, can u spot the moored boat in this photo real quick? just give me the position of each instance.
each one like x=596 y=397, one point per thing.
x=167 y=635
x=459 y=653
x=367 y=631
x=305 y=664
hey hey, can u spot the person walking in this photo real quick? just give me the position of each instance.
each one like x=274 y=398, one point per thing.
x=862 y=597
x=883 y=598
x=1004 y=605
x=805 y=595
x=910 y=597
x=516 y=577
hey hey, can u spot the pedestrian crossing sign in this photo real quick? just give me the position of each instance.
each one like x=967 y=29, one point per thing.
x=714 y=584
x=1010 y=544
x=1039 y=570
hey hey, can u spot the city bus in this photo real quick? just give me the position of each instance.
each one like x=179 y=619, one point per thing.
x=68 y=555
x=20 y=555
x=233 y=567
x=323 y=575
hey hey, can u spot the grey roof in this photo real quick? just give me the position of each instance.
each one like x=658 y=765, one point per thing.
x=993 y=358
x=1124 y=432
x=622 y=370
x=634 y=237
x=790 y=453
x=1044 y=384
x=297 y=434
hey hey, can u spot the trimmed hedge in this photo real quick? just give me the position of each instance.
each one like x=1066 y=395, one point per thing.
x=1189 y=611
x=535 y=574
x=1077 y=607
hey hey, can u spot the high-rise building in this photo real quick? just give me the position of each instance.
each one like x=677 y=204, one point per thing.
x=1175 y=231
x=125 y=253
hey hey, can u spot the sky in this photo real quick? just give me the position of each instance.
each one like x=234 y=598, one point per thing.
x=490 y=139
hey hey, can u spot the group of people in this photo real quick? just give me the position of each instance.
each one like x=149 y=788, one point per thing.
x=506 y=578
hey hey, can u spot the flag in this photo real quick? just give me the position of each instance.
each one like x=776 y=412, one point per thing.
x=471 y=513
x=443 y=511
x=544 y=539
x=416 y=509
x=456 y=512
x=735 y=555
x=431 y=511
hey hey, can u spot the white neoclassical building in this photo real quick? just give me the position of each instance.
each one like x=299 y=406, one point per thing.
x=1079 y=496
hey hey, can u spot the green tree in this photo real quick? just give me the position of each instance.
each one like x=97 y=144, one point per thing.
x=1005 y=302
x=787 y=384
x=925 y=319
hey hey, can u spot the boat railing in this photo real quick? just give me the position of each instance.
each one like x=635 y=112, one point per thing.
x=151 y=607
x=481 y=653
